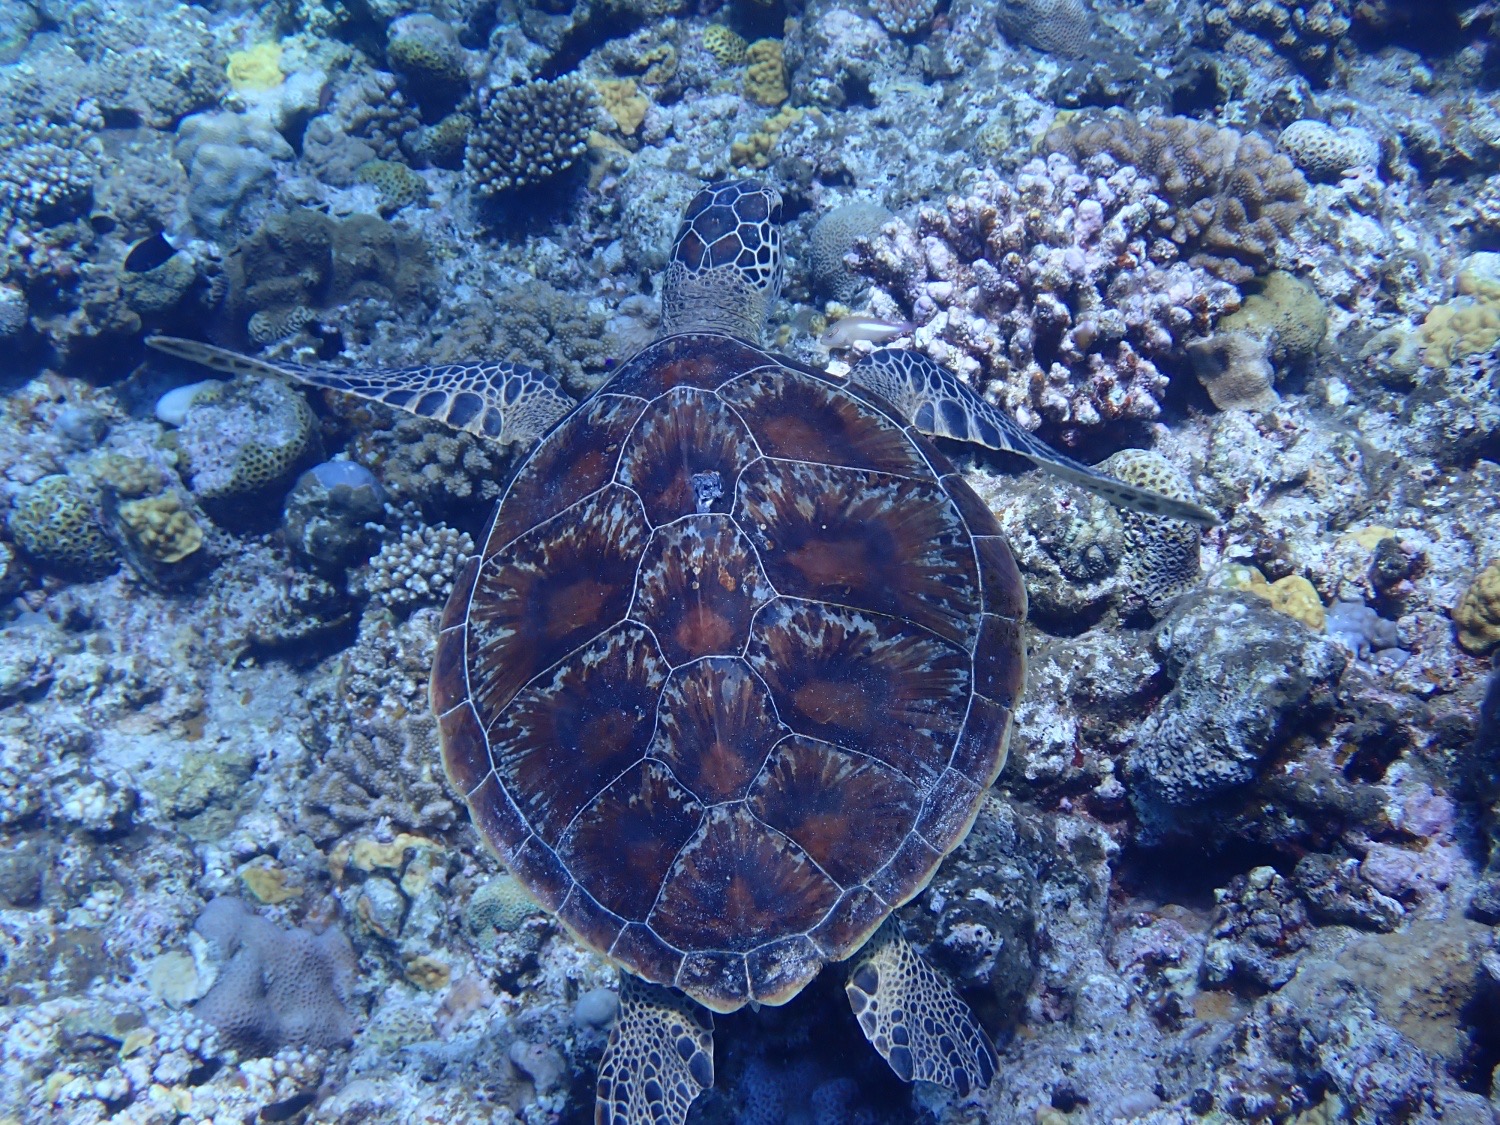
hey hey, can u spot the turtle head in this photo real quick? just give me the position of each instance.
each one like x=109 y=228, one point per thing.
x=725 y=272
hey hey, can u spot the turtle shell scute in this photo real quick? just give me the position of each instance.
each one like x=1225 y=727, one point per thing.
x=732 y=671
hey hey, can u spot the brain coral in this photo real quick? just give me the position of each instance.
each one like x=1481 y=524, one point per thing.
x=57 y=526
x=1058 y=27
x=1326 y=153
x=240 y=444
x=1048 y=291
x=1234 y=199
x=529 y=133
x=1161 y=555
x=723 y=44
x=276 y=988
x=833 y=237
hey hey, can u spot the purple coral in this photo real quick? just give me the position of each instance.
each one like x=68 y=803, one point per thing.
x=277 y=987
x=1049 y=292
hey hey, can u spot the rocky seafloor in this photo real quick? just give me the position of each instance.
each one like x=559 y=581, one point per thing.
x=1244 y=861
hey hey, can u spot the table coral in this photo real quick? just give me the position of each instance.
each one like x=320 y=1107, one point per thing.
x=1049 y=292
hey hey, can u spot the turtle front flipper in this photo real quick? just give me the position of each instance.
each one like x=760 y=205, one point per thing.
x=659 y=1058
x=912 y=1016
x=503 y=401
x=937 y=403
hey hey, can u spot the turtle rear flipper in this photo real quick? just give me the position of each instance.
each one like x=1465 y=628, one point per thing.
x=938 y=404
x=912 y=1016
x=503 y=401
x=659 y=1058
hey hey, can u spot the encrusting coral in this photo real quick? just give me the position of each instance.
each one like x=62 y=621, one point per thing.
x=1049 y=291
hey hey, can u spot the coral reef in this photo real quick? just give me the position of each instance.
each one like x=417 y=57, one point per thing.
x=527 y=134
x=1244 y=679
x=276 y=988
x=1235 y=867
x=54 y=522
x=1058 y=27
x=1233 y=199
x=1049 y=292
x=1477 y=614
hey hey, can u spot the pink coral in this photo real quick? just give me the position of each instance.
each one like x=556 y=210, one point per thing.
x=1049 y=292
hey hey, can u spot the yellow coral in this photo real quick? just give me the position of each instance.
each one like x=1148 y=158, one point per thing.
x=1296 y=597
x=765 y=72
x=623 y=101
x=257 y=68
x=1293 y=595
x=660 y=64
x=1468 y=325
x=755 y=150
x=267 y=882
x=398 y=184
x=160 y=528
x=1477 y=614
x=724 y=44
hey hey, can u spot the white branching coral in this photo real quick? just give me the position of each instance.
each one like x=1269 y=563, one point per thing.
x=1050 y=292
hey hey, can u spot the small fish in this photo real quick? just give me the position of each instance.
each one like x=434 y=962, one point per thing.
x=149 y=253
x=844 y=332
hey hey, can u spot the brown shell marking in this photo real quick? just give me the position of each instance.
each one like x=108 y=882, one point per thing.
x=733 y=670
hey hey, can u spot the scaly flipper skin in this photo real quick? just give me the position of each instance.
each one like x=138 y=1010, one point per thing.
x=506 y=402
x=915 y=1019
x=659 y=1058
x=938 y=404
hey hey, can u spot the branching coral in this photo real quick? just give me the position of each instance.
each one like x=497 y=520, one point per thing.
x=1234 y=199
x=527 y=134
x=1308 y=33
x=1050 y=293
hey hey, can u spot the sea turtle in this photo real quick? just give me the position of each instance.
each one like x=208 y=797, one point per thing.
x=736 y=662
